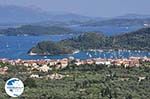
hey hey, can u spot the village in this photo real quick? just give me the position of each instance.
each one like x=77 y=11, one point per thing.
x=47 y=64
x=35 y=67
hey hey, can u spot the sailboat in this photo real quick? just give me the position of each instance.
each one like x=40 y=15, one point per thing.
x=87 y=53
x=104 y=56
x=95 y=53
x=127 y=27
x=45 y=56
x=7 y=45
x=90 y=55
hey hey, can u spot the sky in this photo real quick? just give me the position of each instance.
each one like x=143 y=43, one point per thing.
x=94 y=8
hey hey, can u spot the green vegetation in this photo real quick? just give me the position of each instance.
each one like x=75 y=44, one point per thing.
x=84 y=82
x=138 y=40
x=35 y=30
x=51 y=48
x=88 y=41
x=3 y=64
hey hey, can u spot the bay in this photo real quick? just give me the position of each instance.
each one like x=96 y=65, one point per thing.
x=16 y=47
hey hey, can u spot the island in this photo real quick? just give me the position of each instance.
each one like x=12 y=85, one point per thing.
x=137 y=40
x=36 y=30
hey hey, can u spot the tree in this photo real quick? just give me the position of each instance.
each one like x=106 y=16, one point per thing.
x=129 y=96
x=29 y=82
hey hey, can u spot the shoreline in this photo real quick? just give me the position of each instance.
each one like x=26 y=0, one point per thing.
x=90 y=50
x=71 y=58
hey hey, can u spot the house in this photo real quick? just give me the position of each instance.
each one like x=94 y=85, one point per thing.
x=89 y=61
x=134 y=62
x=78 y=62
x=126 y=63
x=41 y=62
x=26 y=64
x=52 y=62
x=99 y=61
x=102 y=61
x=141 y=78
x=44 y=68
x=55 y=76
x=64 y=63
x=34 y=76
x=124 y=79
x=3 y=70
x=118 y=62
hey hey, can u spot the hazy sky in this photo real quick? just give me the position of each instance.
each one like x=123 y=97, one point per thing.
x=107 y=8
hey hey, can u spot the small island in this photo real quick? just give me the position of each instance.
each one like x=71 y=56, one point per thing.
x=50 y=48
x=36 y=30
x=137 y=40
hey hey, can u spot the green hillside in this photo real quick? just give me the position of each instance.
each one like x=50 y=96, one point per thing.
x=36 y=30
x=138 y=40
x=134 y=40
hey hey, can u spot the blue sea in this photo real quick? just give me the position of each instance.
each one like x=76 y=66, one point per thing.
x=16 y=47
x=107 y=30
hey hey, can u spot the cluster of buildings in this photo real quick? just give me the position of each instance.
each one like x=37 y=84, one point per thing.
x=130 y=62
x=50 y=76
x=39 y=65
x=48 y=64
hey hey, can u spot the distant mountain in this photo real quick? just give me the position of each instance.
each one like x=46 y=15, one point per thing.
x=125 y=20
x=17 y=14
x=35 y=30
x=59 y=23
x=134 y=16
x=69 y=17
x=138 y=40
x=119 y=22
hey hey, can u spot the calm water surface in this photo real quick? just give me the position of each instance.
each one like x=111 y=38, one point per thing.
x=16 y=47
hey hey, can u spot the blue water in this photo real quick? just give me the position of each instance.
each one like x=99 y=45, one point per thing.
x=107 y=30
x=16 y=47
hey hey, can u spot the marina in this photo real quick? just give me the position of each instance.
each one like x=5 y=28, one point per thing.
x=14 y=47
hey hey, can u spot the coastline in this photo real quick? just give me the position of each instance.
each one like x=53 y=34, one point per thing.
x=89 y=50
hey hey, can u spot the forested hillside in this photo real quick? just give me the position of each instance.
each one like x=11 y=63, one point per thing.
x=138 y=40
x=36 y=30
